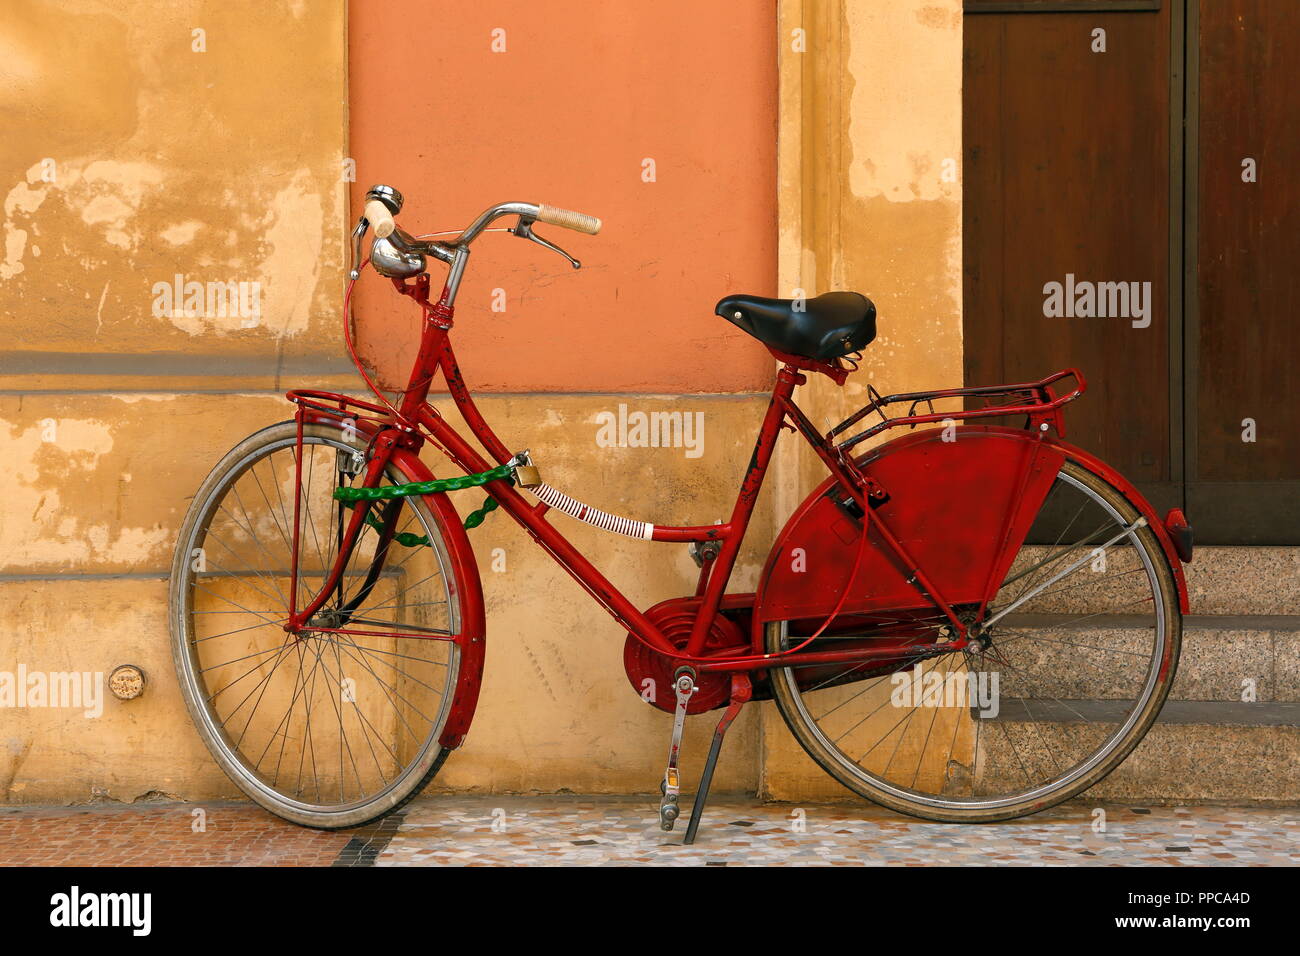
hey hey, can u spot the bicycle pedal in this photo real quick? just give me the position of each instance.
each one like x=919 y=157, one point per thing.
x=669 y=810
x=668 y=814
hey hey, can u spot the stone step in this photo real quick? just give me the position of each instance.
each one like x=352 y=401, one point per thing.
x=1241 y=580
x=1224 y=657
x=1197 y=751
x=1221 y=580
x=1222 y=713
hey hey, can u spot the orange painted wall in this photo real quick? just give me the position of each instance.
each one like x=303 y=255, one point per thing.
x=584 y=92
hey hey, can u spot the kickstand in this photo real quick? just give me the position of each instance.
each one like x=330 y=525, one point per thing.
x=741 y=692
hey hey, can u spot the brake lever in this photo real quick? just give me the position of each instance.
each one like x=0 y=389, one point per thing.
x=524 y=229
x=357 y=235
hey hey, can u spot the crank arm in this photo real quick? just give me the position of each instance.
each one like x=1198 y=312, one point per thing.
x=684 y=686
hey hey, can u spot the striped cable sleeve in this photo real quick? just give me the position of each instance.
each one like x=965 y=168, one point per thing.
x=594 y=516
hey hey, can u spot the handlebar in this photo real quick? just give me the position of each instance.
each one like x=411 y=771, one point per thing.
x=529 y=212
x=396 y=253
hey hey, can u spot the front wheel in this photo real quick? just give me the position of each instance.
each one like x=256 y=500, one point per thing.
x=1049 y=701
x=339 y=724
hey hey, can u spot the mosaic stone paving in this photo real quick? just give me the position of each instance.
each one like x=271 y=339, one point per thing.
x=612 y=831
x=617 y=831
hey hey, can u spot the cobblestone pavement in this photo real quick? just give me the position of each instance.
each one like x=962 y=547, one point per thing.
x=611 y=831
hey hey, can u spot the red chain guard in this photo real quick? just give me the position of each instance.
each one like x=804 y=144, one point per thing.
x=674 y=618
x=961 y=508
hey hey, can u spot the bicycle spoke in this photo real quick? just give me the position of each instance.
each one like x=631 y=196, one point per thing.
x=389 y=690
x=252 y=534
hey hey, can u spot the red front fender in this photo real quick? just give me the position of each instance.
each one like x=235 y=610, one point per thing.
x=465 y=586
x=960 y=508
x=463 y=583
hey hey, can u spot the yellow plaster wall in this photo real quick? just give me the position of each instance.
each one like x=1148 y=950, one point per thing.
x=869 y=174
x=91 y=521
x=225 y=165
x=130 y=156
x=141 y=141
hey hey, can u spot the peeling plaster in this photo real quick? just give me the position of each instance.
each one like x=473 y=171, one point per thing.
x=131 y=159
x=182 y=233
x=108 y=196
x=35 y=524
x=23 y=198
x=291 y=266
x=903 y=122
x=15 y=243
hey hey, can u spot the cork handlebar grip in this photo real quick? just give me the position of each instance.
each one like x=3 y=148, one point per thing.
x=381 y=220
x=579 y=222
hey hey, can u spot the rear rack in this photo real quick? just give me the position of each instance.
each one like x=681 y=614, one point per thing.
x=1037 y=400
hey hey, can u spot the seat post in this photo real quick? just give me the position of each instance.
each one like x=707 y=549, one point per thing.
x=786 y=380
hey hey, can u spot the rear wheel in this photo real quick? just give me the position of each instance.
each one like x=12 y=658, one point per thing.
x=1051 y=699
x=338 y=725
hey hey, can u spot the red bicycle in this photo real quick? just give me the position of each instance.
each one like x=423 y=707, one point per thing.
x=970 y=622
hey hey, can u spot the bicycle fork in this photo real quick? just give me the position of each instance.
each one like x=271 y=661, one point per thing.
x=347 y=540
x=684 y=686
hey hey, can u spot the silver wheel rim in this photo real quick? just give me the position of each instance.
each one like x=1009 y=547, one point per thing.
x=236 y=763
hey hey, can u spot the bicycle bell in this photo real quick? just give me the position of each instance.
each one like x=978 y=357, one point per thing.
x=387 y=195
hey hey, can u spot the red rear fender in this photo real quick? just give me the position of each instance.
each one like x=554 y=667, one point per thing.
x=1161 y=528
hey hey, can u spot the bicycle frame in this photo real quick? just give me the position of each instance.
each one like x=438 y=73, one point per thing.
x=414 y=420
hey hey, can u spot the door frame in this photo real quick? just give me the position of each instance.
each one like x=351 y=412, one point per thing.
x=1265 y=512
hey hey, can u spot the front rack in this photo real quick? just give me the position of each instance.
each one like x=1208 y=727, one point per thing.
x=1037 y=400
x=346 y=408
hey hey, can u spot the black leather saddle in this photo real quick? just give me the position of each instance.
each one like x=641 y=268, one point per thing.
x=827 y=327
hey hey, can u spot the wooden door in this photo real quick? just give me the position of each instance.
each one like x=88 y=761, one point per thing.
x=1067 y=220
